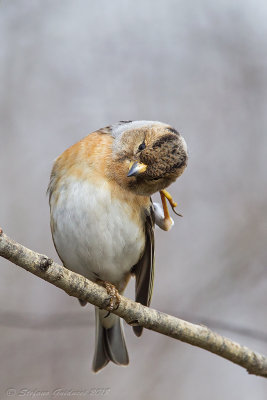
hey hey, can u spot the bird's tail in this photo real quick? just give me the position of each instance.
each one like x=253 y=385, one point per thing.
x=109 y=341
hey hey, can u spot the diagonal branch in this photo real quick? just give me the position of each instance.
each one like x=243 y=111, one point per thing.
x=133 y=313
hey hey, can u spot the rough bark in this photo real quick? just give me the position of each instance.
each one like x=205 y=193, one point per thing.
x=133 y=313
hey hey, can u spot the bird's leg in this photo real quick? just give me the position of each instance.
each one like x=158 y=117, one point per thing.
x=164 y=205
x=166 y=195
x=114 y=300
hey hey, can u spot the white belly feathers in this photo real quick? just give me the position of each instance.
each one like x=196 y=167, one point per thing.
x=93 y=232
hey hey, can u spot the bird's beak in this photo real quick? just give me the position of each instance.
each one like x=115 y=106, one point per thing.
x=136 y=168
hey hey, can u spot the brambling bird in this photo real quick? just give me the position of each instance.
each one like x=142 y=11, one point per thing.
x=102 y=216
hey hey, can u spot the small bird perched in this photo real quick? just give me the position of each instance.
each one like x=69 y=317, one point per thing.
x=102 y=216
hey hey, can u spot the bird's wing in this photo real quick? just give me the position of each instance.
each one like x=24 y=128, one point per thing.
x=144 y=269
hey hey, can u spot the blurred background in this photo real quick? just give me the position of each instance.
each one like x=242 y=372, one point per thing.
x=70 y=67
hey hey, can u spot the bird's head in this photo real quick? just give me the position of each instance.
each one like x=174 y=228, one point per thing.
x=147 y=155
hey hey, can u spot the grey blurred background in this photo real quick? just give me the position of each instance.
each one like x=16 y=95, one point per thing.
x=70 y=67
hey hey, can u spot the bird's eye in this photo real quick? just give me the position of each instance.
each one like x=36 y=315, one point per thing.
x=142 y=146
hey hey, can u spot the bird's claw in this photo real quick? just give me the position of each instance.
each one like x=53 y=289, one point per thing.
x=175 y=212
x=114 y=300
x=166 y=195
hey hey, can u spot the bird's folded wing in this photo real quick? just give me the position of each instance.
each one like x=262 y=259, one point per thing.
x=144 y=269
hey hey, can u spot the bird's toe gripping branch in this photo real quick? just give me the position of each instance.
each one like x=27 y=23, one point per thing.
x=114 y=300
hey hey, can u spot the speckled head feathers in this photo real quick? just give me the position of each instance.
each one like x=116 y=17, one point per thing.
x=123 y=126
x=157 y=146
x=154 y=153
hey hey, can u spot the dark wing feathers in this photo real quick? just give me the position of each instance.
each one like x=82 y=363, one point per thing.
x=144 y=269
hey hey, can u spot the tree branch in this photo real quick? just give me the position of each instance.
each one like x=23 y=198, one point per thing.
x=133 y=313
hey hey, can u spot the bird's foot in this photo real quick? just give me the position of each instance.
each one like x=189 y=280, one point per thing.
x=166 y=195
x=114 y=300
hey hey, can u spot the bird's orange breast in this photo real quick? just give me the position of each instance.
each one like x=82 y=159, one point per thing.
x=90 y=160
